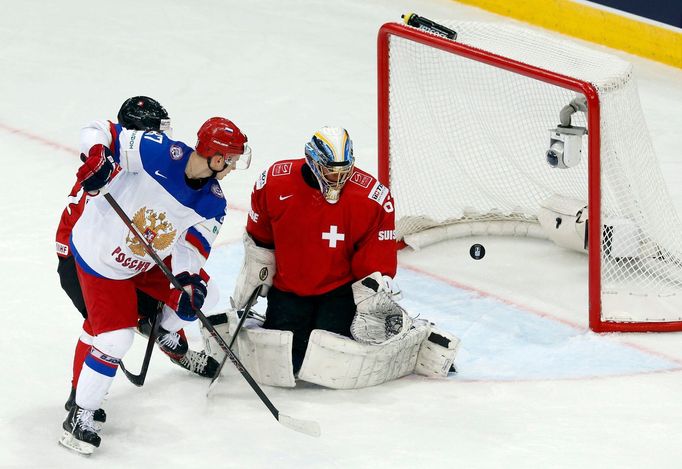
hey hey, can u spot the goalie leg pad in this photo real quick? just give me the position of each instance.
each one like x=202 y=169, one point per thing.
x=224 y=324
x=266 y=353
x=337 y=362
x=437 y=354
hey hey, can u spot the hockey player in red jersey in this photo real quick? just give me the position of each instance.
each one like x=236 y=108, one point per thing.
x=317 y=225
x=171 y=193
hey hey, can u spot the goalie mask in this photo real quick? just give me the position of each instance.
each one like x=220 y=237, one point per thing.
x=144 y=113
x=330 y=156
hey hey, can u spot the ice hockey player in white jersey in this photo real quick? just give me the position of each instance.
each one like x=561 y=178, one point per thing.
x=171 y=193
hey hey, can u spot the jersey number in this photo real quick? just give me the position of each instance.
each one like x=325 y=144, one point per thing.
x=153 y=136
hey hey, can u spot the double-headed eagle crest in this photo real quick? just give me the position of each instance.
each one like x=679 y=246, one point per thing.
x=154 y=228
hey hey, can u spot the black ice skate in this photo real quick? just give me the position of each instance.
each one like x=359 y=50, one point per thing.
x=170 y=343
x=199 y=363
x=79 y=431
x=99 y=417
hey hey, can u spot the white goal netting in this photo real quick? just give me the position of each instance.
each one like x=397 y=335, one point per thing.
x=467 y=144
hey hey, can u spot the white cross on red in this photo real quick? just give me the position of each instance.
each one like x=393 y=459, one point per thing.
x=333 y=236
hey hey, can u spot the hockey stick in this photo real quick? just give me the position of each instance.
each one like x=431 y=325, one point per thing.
x=138 y=380
x=245 y=313
x=308 y=427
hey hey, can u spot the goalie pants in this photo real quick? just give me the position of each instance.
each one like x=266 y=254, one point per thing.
x=332 y=311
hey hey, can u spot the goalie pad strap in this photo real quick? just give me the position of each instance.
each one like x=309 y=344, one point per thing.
x=339 y=362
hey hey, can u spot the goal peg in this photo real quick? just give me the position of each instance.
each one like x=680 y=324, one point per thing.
x=419 y=22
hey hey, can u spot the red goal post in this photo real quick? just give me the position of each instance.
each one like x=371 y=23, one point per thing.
x=398 y=113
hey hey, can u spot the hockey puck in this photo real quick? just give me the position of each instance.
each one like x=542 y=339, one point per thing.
x=477 y=251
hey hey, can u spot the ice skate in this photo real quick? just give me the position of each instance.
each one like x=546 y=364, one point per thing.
x=171 y=343
x=199 y=363
x=80 y=434
x=99 y=417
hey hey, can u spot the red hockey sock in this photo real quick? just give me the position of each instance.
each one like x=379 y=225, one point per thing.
x=82 y=349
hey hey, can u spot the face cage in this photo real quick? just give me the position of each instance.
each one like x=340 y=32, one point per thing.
x=331 y=190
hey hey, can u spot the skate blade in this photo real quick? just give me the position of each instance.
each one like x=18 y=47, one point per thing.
x=69 y=441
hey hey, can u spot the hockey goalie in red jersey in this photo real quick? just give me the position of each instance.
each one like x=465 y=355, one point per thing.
x=320 y=238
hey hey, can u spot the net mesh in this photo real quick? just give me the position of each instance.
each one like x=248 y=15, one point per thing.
x=468 y=142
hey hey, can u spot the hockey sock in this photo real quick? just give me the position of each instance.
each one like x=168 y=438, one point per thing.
x=100 y=367
x=82 y=349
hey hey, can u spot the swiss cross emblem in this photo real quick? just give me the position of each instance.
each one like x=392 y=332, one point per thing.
x=333 y=236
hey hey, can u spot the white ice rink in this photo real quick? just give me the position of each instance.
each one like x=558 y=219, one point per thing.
x=535 y=388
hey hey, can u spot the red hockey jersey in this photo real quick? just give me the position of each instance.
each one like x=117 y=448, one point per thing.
x=320 y=246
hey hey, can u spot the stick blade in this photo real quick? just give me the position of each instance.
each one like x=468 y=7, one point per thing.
x=308 y=427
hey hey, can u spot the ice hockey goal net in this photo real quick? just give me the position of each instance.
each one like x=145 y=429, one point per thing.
x=463 y=131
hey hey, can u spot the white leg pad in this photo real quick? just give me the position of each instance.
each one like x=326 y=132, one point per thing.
x=437 y=353
x=338 y=362
x=225 y=324
x=266 y=354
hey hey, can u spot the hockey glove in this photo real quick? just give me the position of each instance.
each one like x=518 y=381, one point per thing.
x=191 y=297
x=96 y=169
x=258 y=268
x=378 y=317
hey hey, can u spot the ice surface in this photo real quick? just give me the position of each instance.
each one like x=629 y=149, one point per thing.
x=535 y=387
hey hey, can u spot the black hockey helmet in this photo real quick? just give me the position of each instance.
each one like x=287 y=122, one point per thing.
x=143 y=113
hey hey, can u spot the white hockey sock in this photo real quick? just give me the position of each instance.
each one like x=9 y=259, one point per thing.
x=100 y=367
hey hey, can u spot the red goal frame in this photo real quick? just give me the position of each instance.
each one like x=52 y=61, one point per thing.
x=594 y=144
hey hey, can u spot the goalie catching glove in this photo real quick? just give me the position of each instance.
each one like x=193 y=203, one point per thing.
x=258 y=268
x=378 y=318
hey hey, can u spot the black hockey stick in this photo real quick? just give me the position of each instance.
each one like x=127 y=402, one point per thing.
x=245 y=313
x=308 y=427
x=138 y=380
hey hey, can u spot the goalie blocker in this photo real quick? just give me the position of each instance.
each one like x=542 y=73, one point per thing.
x=338 y=362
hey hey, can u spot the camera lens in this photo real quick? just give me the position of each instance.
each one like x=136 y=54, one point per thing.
x=552 y=158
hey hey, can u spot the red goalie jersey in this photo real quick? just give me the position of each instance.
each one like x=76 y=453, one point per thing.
x=320 y=246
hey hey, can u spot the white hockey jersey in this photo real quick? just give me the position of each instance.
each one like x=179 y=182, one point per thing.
x=174 y=218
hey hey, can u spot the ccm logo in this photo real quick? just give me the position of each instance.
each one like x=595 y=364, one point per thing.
x=386 y=235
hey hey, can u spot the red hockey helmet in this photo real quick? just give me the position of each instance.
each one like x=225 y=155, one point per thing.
x=220 y=136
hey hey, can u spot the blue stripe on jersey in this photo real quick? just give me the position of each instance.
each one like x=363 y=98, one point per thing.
x=79 y=260
x=100 y=366
x=205 y=245
x=165 y=160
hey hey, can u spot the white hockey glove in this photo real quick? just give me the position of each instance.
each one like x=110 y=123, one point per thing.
x=258 y=268
x=378 y=318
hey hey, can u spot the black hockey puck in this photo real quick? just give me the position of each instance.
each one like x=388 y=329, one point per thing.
x=477 y=251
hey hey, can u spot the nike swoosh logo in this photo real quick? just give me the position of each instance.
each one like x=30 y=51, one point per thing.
x=285 y=197
x=159 y=174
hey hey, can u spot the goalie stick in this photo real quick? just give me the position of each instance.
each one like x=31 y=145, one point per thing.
x=138 y=380
x=245 y=313
x=309 y=427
